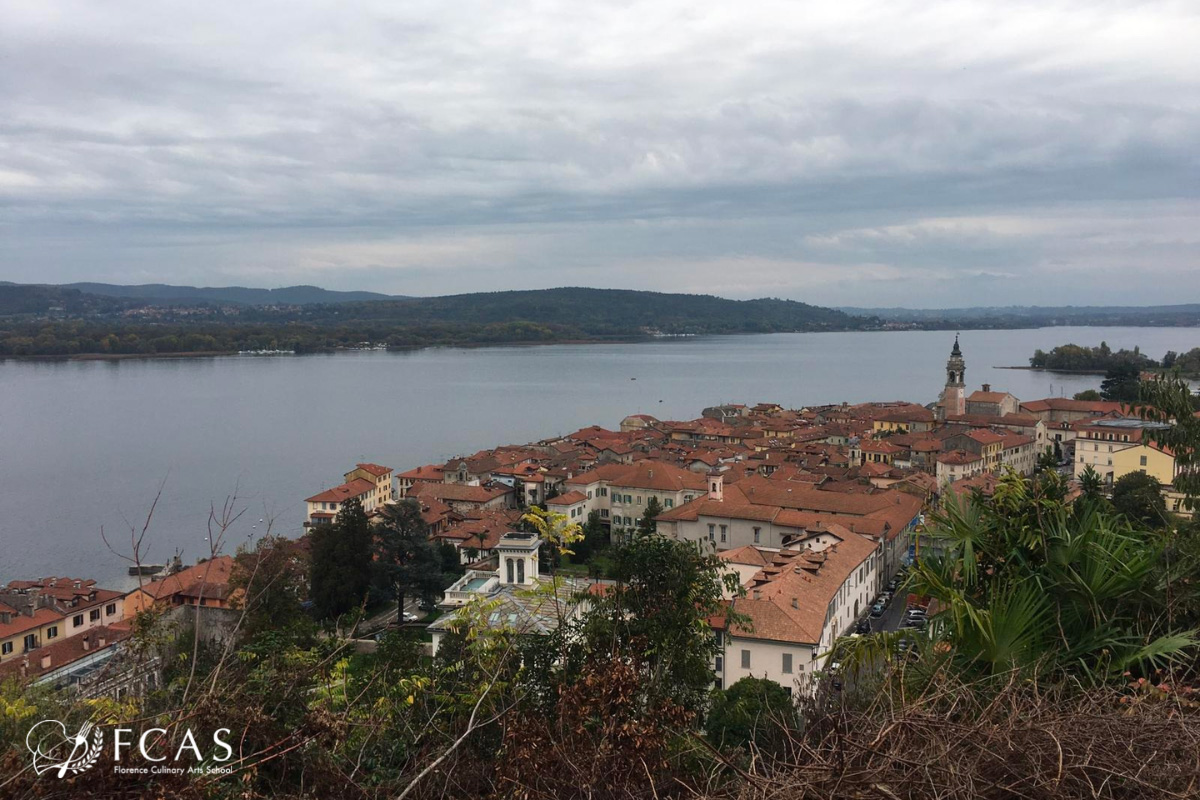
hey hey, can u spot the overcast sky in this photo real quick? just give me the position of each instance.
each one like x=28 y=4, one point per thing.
x=837 y=152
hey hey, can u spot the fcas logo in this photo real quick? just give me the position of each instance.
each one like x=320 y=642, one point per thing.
x=54 y=750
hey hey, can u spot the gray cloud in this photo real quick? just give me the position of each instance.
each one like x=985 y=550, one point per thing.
x=851 y=152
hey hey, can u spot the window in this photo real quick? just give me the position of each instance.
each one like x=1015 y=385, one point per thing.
x=712 y=532
x=94 y=614
x=5 y=648
x=521 y=571
x=757 y=535
x=30 y=641
x=110 y=609
x=604 y=512
x=724 y=528
x=720 y=663
x=76 y=620
x=510 y=570
x=787 y=663
x=669 y=503
x=639 y=499
x=589 y=494
x=745 y=659
x=1143 y=460
x=52 y=632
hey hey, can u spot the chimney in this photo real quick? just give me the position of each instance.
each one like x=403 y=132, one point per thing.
x=87 y=644
x=46 y=661
x=795 y=602
x=101 y=641
x=987 y=387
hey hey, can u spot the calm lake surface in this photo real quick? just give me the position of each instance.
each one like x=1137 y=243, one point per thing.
x=86 y=444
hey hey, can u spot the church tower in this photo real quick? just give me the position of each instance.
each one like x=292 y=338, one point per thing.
x=954 y=396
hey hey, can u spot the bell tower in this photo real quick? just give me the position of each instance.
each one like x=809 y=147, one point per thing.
x=954 y=396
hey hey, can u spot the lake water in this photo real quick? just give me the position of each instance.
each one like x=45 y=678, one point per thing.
x=85 y=445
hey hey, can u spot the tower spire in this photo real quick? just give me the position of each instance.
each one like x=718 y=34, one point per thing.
x=954 y=396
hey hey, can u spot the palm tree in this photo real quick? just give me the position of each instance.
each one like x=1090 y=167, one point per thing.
x=1024 y=582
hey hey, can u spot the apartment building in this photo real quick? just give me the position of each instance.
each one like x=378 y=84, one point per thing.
x=797 y=601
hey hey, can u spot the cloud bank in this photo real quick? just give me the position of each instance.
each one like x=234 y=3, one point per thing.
x=857 y=153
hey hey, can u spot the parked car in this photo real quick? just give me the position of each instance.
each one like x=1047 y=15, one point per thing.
x=877 y=610
x=884 y=597
x=863 y=626
x=410 y=617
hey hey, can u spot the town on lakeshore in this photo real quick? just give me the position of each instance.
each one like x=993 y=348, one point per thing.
x=817 y=510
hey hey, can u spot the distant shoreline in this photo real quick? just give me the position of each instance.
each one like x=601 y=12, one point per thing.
x=1062 y=371
x=334 y=351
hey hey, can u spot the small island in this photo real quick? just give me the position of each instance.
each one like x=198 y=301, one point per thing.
x=1100 y=360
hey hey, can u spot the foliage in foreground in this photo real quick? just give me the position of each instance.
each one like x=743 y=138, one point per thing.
x=1029 y=583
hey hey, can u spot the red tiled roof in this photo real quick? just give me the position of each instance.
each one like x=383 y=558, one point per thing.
x=958 y=457
x=460 y=492
x=375 y=469
x=338 y=494
x=987 y=397
x=64 y=651
x=206 y=579
x=655 y=475
x=567 y=498
x=429 y=472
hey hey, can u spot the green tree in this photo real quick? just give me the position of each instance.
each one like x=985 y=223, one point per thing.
x=645 y=524
x=1088 y=394
x=1046 y=460
x=1139 y=497
x=1091 y=484
x=1121 y=383
x=1171 y=400
x=665 y=593
x=753 y=710
x=269 y=584
x=340 y=574
x=595 y=539
x=406 y=562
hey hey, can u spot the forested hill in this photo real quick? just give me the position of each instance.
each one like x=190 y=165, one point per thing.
x=600 y=311
x=288 y=295
x=58 y=321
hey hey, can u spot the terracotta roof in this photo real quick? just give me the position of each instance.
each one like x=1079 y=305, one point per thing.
x=654 y=475
x=984 y=436
x=987 y=397
x=339 y=494
x=65 y=651
x=206 y=579
x=1067 y=404
x=460 y=492
x=958 y=457
x=567 y=498
x=880 y=513
x=375 y=469
x=788 y=599
x=22 y=623
x=429 y=472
